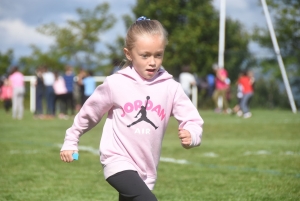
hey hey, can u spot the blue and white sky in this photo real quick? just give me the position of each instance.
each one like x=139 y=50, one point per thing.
x=20 y=18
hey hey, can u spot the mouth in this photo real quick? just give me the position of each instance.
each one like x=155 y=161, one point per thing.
x=151 y=70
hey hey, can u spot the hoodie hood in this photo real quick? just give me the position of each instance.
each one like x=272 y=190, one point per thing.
x=130 y=72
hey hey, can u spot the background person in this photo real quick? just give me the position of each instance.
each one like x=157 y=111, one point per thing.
x=210 y=78
x=39 y=93
x=89 y=84
x=246 y=81
x=69 y=81
x=16 y=80
x=49 y=78
x=187 y=80
x=60 y=91
x=221 y=88
x=79 y=89
x=6 y=95
x=130 y=155
x=239 y=94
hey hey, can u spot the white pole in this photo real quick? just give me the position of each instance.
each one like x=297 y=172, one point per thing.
x=31 y=80
x=279 y=58
x=195 y=95
x=32 y=94
x=221 y=42
x=222 y=33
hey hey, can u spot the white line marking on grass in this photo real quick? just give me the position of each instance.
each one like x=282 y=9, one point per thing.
x=89 y=149
x=263 y=152
x=291 y=153
x=172 y=160
x=247 y=153
x=23 y=151
x=210 y=154
x=259 y=152
x=288 y=153
x=96 y=152
x=85 y=148
x=211 y=166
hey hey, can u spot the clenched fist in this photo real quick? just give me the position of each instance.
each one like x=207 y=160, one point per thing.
x=66 y=155
x=185 y=138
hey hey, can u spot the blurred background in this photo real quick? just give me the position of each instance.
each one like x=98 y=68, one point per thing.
x=90 y=34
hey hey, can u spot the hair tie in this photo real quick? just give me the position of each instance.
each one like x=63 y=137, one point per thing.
x=141 y=18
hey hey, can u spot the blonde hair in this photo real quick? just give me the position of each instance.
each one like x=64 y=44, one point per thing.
x=143 y=27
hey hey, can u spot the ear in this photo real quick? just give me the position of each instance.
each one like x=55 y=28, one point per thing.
x=127 y=54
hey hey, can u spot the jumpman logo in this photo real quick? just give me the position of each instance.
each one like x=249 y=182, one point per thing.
x=143 y=117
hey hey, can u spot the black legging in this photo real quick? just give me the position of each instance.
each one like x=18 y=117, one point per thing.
x=130 y=186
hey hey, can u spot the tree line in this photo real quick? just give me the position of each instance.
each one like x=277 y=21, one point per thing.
x=193 y=28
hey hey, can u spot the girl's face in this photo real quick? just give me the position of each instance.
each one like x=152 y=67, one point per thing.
x=147 y=55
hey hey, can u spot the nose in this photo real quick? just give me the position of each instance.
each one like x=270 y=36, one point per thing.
x=152 y=61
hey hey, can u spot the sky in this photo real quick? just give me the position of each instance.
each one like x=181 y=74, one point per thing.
x=19 y=19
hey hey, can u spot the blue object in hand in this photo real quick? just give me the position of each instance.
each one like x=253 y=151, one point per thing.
x=75 y=156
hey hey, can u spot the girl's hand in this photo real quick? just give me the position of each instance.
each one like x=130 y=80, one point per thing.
x=66 y=155
x=185 y=138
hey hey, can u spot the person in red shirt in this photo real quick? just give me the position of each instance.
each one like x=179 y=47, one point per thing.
x=221 y=88
x=246 y=81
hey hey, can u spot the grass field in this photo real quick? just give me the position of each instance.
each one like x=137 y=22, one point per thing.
x=239 y=159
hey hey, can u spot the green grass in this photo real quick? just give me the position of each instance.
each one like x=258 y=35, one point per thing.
x=239 y=159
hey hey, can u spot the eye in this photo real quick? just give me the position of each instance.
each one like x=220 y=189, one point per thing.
x=159 y=55
x=144 y=56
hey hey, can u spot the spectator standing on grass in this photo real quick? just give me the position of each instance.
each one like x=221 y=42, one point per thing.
x=6 y=95
x=187 y=80
x=210 y=78
x=61 y=91
x=139 y=99
x=79 y=89
x=16 y=81
x=239 y=94
x=39 y=93
x=89 y=84
x=221 y=89
x=246 y=81
x=48 y=77
x=69 y=80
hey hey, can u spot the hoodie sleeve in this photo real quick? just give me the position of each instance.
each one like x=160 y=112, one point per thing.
x=187 y=116
x=89 y=116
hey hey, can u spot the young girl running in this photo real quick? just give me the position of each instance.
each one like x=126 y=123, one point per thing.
x=139 y=100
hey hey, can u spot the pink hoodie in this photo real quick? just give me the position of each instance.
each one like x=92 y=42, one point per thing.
x=126 y=145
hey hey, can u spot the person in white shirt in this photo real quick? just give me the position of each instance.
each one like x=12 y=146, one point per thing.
x=187 y=80
x=49 y=79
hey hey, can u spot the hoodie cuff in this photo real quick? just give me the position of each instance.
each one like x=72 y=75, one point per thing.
x=69 y=145
x=196 y=139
